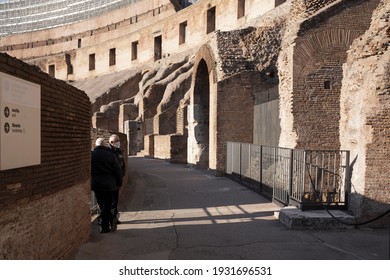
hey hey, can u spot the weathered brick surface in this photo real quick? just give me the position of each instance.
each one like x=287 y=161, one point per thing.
x=149 y=145
x=335 y=99
x=181 y=120
x=234 y=118
x=162 y=146
x=319 y=55
x=301 y=9
x=250 y=49
x=365 y=122
x=50 y=200
x=172 y=147
x=165 y=123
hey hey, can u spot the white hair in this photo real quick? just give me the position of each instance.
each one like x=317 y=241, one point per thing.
x=100 y=142
x=114 y=138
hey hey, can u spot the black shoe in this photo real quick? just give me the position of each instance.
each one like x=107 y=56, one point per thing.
x=113 y=226
x=104 y=230
x=99 y=220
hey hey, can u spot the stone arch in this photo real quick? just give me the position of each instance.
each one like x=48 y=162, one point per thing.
x=202 y=120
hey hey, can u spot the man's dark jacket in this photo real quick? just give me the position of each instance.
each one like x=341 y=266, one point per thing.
x=119 y=157
x=106 y=171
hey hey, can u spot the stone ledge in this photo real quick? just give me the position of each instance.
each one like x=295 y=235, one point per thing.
x=293 y=218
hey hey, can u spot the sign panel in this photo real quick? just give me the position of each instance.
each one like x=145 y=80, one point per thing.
x=20 y=122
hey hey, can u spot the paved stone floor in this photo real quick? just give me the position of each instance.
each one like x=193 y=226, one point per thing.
x=172 y=212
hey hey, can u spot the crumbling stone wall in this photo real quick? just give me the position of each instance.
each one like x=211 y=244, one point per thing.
x=250 y=49
x=45 y=211
x=127 y=89
x=365 y=118
x=318 y=57
x=311 y=71
x=306 y=8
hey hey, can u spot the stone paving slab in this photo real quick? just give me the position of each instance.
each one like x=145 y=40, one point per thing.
x=172 y=212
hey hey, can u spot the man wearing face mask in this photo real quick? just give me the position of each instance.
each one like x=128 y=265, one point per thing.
x=106 y=179
x=115 y=147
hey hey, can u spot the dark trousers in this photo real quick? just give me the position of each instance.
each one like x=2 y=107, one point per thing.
x=105 y=199
x=115 y=204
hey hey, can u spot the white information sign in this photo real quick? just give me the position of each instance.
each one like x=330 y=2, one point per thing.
x=20 y=122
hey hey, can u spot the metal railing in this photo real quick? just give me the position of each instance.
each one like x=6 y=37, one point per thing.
x=304 y=178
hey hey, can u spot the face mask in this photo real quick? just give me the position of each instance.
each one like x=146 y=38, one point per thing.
x=117 y=145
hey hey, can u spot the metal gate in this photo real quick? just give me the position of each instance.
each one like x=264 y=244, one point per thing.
x=304 y=178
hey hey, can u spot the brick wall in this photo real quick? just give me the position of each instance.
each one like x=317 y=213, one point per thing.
x=165 y=123
x=365 y=122
x=45 y=210
x=149 y=145
x=172 y=147
x=181 y=120
x=178 y=149
x=235 y=112
x=162 y=146
x=305 y=8
x=319 y=54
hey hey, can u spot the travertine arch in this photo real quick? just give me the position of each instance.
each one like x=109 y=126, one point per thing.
x=203 y=114
x=205 y=53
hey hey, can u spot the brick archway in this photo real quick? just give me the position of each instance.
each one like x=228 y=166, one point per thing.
x=202 y=125
x=318 y=61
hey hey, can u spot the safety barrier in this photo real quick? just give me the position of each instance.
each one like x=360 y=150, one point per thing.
x=304 y=178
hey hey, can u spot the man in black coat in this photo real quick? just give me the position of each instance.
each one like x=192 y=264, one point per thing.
x=115 y=145
x=106 y=180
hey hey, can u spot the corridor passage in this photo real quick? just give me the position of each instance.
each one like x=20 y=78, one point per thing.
x=170 y=211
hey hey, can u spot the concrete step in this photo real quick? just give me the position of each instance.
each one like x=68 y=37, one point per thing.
x=294 y=218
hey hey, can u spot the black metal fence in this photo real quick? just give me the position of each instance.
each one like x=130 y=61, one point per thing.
x=304 y=178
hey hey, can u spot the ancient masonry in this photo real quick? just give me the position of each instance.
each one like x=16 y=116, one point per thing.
x=181 y=80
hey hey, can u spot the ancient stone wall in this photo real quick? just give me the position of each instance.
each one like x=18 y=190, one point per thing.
x=45 y=210
x=129 y=37
x=365 y=119
x=310 y=70
x=127 y=112
x=306 y=8
x=170 y=147
x=123 y=91
x=250 y=49
x=318 y=57
x=162 y=146
x=165 y=123
x=235 y=99
x=181 y=120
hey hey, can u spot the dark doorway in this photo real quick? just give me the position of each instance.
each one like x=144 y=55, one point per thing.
x=52 y=70
x=157 y=48
x=202 y=113
x=210 y=20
